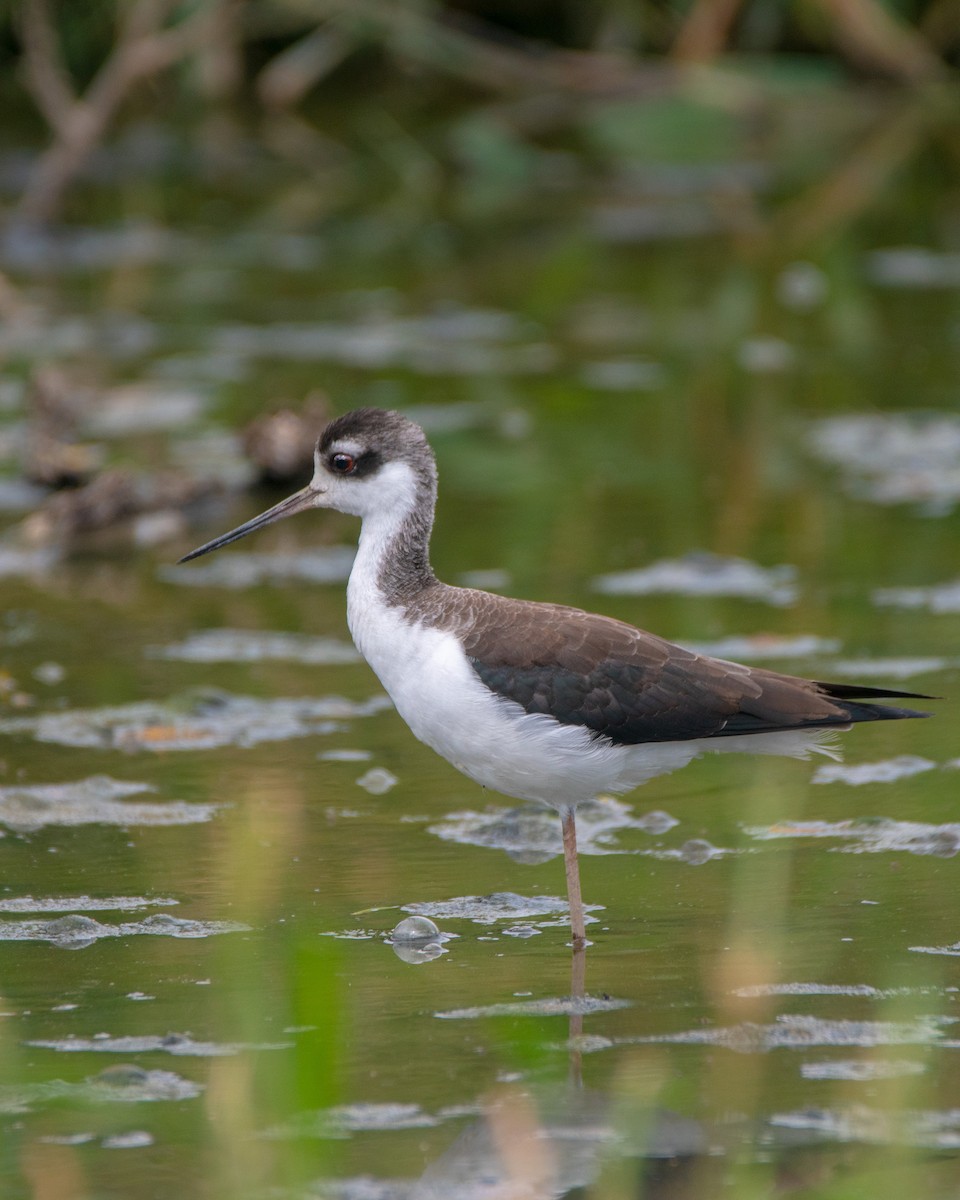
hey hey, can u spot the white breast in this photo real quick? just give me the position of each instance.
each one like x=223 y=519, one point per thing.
x=529 y=756
x=492 y=740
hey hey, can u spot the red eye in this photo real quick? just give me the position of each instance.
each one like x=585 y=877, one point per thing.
x=343 y=464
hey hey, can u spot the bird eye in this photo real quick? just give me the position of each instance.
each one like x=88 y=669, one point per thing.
x=343 y=464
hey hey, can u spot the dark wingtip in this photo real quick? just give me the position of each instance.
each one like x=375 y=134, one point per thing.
x=856 y=691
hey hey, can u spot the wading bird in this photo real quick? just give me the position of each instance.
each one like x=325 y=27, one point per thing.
x=538 y=701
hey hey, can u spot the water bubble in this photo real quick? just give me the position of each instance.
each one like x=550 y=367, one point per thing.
x=698 y=851
x=415 y=929
x=377 y=781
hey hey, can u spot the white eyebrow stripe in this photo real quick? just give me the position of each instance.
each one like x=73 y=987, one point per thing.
x=347 y=446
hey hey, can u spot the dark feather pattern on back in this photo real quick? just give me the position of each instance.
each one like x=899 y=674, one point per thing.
x=628 y=685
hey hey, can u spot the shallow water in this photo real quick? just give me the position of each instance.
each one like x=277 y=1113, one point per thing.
x=770 y=1002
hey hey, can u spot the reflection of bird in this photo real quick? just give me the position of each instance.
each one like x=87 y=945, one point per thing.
x=538 y=701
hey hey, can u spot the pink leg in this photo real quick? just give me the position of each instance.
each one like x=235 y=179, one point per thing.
x=573 y=877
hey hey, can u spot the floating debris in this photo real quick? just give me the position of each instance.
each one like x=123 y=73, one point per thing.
x=794 y=1032
x=200 y=721
x=559 y=1006
x=116 y=497
x=828 y=989
x=802 y=286
x=246 y=646
x=454 y=342
x=75 y=932
x=133 y=409
x=939 y=598
x=886 y=771
x=16 y=495
x=345 y=755
x=124 y=1083
x=30 y=904
x=499 y=906
x=79 y=248
x=914 y=267
x=135 y=1139
x=96 y=800
x=328 y=564
x=170 y=1043
x=214 y=454
x=935 y=1129
x=493 y=579
x=861 y=1070
x=456 y=417
x=345 y=1119
x=623 y=375
x=765 y=355
x=49 y=673
x=21 y=560
x=894 y=458
x=871 y=836
x=365 y=1187
x=766 y=645
x=352 y=935
x=531 y=833
x=889 y=668
x=949 y=951
x=705 y=574
x=109 y=333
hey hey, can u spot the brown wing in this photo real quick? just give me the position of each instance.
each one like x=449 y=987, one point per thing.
x=631 y=686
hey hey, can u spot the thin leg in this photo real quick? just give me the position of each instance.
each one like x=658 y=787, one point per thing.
x=572 y=866
x=578 y=988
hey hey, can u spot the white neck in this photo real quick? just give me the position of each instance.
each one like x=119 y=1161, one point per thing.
x=392 y=564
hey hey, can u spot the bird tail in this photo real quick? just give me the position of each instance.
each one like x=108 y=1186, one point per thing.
x=849 y=694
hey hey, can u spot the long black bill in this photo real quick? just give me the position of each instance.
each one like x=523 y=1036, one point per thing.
x=298 y=502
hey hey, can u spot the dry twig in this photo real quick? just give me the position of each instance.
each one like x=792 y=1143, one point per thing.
x=144 y=46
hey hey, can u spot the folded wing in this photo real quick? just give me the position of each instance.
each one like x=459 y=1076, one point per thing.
x=632 y=687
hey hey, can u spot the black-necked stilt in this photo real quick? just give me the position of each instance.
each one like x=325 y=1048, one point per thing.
x=538 y=701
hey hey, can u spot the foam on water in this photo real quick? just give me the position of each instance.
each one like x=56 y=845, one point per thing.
x=76 y=932
x=170 y=1043
x=704 y=574
x=198 y=722
x=97 y=800
x=248 y=646
x=875 y=836
x=326 y=564
x=498 y=906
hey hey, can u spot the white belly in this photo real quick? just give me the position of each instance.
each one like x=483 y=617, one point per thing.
x=526 y=755
x=492 y=740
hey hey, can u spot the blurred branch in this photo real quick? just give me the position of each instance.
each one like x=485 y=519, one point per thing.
x=940 y=23
x=466 y=50
x=289 y=75
x=856 y=184
x=142 y=48
x=46 y=76
x=870 y=34
x=219 y=59
x=706 y=30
